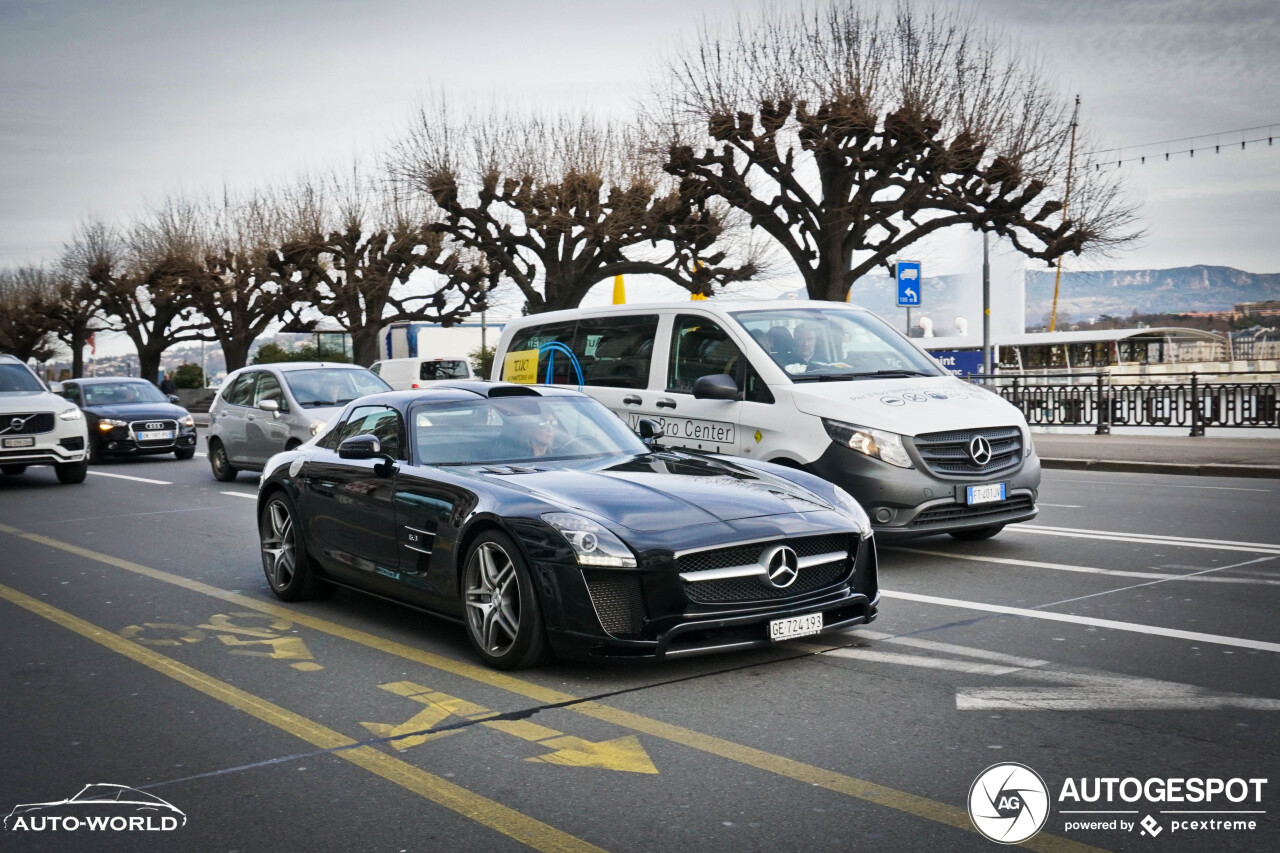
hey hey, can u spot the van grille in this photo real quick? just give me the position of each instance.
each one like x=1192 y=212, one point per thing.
x=946 y=454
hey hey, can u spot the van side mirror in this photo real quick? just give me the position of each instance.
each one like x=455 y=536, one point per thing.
x=650 y=431
x=715 y=386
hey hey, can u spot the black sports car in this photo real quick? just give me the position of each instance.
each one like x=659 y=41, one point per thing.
x=537 y=518
x=129 y=416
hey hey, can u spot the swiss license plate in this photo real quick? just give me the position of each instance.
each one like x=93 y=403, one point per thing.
x=795 y=626
x=155 y=435
x=20 y=442
x=990 y=493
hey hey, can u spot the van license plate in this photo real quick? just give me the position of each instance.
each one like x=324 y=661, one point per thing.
x=796 y=626
x=990 y=493
x=19 y=442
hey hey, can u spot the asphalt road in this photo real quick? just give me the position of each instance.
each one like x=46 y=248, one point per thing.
x=1129 y=631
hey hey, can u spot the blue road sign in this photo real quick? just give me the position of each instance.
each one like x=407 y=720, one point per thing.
x=960 y=362
x=908 y=273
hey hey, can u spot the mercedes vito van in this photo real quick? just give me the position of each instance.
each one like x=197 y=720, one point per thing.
x=823 y=386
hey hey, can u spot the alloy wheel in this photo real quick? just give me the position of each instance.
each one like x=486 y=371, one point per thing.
x=278 y=546
x=492 y=596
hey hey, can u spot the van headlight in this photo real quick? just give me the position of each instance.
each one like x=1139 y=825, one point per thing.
x=593 y=544
x=846 y=503
x=875 y=443
x=71 y=415
x=1027 y=446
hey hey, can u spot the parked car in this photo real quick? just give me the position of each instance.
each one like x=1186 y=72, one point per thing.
x=826 y=387
x=539 y=520
x=128 y=416
x=266 y=408
x=37 y=427
x=402 y=374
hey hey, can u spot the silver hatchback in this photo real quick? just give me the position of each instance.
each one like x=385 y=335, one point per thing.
x=266 y=408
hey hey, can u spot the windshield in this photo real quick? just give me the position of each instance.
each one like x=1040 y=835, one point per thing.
x=322 y=387
x=815 y=344
x=15 y=377
x=444 y=370
x=122 y=393
x=518 y=429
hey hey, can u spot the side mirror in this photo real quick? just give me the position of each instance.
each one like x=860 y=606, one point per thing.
x=56 y=387
x=272 y=406
x=368 y=447
x=715 y=386
x=175 y=399
x=650 y=431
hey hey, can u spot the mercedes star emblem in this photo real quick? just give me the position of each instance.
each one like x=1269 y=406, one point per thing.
x=782 y=566
x=980 y=451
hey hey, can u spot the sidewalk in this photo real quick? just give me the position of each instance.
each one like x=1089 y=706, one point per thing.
x=1204 y=456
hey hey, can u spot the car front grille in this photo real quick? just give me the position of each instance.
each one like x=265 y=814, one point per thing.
x=946 y=454
x=754 y=587
x=619 y=601
x=993 y=512
x=31 y=423
x=151 y=425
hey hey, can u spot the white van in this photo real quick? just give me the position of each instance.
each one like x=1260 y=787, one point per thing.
x=823 y=386
x=405 y=373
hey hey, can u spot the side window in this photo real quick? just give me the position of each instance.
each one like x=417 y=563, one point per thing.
x=269 y=389
x=376 y=367
x=754 y=389
x=71 y=392
x=241 y=391
x=699 y=347
x=381 y=422
x=616 y=351
x=553 y=361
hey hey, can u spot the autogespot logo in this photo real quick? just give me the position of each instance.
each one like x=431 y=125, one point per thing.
x=98 y=808
x=1008 y=803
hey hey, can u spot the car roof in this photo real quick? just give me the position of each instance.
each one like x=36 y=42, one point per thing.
x=462 y=389
x=287 y=366
x=99 y=380
x=715 y=306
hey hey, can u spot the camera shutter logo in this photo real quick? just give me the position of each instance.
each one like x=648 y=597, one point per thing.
x=980 y=450
x=1008 y=803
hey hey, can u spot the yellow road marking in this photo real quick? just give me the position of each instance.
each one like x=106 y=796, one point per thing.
x=480 y=809
x=624 y=754
x=858 y=788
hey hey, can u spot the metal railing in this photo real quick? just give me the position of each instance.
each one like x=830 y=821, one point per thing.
x=1193 y=403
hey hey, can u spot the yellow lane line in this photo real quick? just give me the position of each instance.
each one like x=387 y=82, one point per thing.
x=788 y=768
x=480 y=809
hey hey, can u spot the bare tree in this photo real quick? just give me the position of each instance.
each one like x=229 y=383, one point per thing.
x=367 y=256
x=556 y=204
x=25 y=329
x=71 y=309
x=142 y=279
x=848 y=135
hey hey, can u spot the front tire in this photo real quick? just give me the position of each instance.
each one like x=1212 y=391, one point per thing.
x=504 y=620
x=185 y=453
x=223 y=471
x=94 y=456
x=71 y=472
x=976 y=534
x=13 y=470
x=284 y=551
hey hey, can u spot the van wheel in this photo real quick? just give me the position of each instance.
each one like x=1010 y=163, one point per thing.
x=222 y=470
x=71 y=472
x=11 y=470
x=976 y=533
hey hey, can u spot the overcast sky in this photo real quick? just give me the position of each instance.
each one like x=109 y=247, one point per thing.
x=106 y=106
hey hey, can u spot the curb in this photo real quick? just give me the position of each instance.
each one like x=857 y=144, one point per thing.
x=1199 y=470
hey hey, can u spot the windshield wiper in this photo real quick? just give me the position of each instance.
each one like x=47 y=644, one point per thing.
x=872 y=374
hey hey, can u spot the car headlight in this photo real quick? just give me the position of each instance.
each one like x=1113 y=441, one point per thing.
x=846 y=503
x=189 y=422
x=1027 y=446
x=107 y=424
x=872 y=442
x=593 y=544
x=317 y=427
x=70 y=415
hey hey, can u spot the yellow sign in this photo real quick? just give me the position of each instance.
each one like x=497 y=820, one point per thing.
x=521 y=367
x=759 y=436
x=619 y=291
x=624 y=754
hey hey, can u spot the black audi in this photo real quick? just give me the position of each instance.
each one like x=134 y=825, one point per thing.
x=130 y=416
x=535 y=517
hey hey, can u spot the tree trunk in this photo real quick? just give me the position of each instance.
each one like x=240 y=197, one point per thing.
x=236 y=353
x=364 y=345
x=149 y=364
x=77 y=354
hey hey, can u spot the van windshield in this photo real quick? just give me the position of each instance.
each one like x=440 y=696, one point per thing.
x=830 y=344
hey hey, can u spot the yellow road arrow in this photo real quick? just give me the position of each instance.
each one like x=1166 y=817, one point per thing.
x=624 y=754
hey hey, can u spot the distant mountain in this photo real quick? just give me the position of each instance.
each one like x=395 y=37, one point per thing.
x=1121 y=292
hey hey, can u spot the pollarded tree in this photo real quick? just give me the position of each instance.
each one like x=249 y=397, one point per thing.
x=367 y=256
x=25 y=329
x=848 y=135
x=142 y=279
x=557 y=204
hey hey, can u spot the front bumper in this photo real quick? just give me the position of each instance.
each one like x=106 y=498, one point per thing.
x=64 y=444
x=907 y=502
x=667 y=624
x=123 y=441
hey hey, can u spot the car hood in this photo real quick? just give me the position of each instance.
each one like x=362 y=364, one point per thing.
x=29 y=401
x=138 y=411
x=661 y=491
x=910 y=406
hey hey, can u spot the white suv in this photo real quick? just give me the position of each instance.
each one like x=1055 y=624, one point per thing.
x=38 y=427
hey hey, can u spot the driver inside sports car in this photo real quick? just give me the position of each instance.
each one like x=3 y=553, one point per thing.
x=543 y=435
